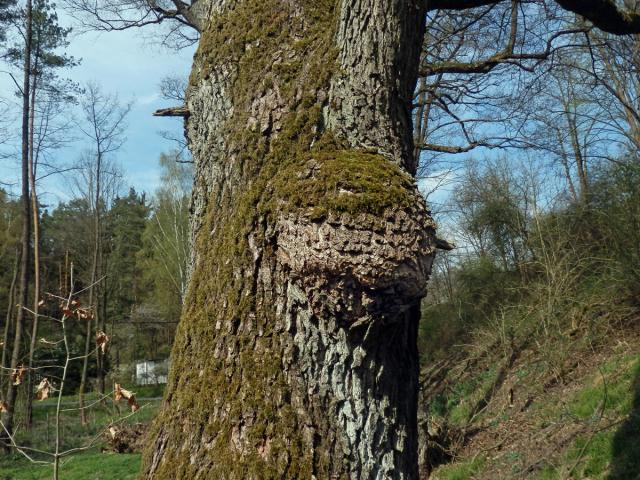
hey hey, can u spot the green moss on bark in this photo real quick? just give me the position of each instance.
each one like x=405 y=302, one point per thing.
x=228 y=373
x=346 y=181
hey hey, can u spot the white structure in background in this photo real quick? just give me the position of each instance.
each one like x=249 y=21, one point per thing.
x=151 y=373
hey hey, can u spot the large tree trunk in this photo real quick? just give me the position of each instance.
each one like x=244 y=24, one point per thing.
x=296 y=354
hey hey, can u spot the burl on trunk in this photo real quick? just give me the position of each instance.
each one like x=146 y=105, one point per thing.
x=296 y=352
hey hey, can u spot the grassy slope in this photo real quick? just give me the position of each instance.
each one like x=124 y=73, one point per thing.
x=584 y=423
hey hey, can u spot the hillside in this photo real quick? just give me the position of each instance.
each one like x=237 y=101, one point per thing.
x=495 y=416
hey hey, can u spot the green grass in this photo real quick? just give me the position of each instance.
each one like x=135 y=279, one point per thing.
x=605 y=453
x=457 y=406
x=73 y=434
x=88 y=466
x=607 y=405
x=608 y=391
x=459 y=471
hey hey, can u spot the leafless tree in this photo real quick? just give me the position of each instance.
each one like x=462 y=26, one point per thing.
x=25 y=253
x=70 y=310
x=104 y=126
x=174 y=88
x=180 y=22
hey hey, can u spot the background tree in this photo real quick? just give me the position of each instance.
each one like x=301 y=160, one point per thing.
x=5 y=15
x=104 y=123
x=166 y=237
x=123 y=291
x=10 y=228
x=47 y=89
x=614 y=66
x=25 y=249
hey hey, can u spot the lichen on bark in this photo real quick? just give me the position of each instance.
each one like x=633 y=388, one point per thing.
x=295 y=356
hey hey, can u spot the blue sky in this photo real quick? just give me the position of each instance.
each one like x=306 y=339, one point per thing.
x=122 y=63
x=127 y=64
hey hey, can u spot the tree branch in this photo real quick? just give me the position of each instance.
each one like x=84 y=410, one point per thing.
x=604 y=14
x=458 y=4
x=506 y=56
x=181 y=111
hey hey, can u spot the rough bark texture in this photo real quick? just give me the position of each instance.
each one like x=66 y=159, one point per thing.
x=296 y=355
x=372 y=92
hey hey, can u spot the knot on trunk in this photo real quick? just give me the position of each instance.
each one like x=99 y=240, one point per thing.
x=359 y=268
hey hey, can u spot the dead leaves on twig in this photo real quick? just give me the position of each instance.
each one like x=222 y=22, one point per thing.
x=101 y=341
x=121 y=393
x=42 y=391
x=84 y=313
x=18 y=374
x=75 y=309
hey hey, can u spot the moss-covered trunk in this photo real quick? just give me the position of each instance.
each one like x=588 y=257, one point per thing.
x=296 y=353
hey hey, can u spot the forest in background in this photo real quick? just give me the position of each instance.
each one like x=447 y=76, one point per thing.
x=143 y=261
x=528 y=156
x=126 y=251
x=142 y=267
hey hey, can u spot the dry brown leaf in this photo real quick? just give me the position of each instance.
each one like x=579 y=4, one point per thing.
x=118 y=392
x=133 y=404
x=113 y=432
x=42 y=391
x=17 y=375
x=101 y=341
x=4 y=407
x=75 y=303
x=84 y=314
x=41 y=302
x=121 y=393
x=67 y=312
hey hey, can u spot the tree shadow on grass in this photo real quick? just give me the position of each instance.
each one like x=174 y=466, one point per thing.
x=625 y=462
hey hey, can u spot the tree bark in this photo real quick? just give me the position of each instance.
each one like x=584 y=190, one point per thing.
x=12 y=390
x=35 y=217
x=94 y=292
x=8 y=325
x=296 y=354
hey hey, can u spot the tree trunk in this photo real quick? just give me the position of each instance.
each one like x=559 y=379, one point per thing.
x=12 y=390
x=93 y=292
x=296 y=354
x=8 y=326
x=35 y=217
x=101 y=323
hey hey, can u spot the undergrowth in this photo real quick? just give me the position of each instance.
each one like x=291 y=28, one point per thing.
x=539 y=337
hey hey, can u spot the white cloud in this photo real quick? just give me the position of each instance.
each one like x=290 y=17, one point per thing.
x=148 y=99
